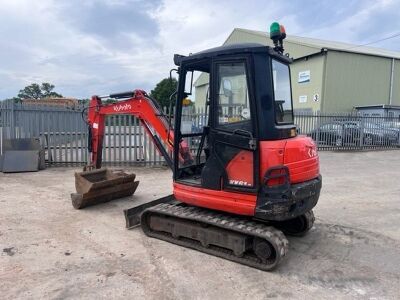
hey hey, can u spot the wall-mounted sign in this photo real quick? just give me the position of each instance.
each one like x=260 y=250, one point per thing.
x=303 y=99
x=315 y=97
x=304 y=76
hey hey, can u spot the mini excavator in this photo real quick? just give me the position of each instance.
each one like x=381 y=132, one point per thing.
x=241 y=181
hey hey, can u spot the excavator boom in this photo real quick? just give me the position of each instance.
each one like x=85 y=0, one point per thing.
x=138 y=104
x=98 y=185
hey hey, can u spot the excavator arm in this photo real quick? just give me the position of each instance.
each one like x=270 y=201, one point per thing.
x=150 y=115
x=95 y=184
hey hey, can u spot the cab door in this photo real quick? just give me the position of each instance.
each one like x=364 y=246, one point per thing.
x=233 y=162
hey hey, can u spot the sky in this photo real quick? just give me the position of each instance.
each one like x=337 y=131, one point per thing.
x=87 y=47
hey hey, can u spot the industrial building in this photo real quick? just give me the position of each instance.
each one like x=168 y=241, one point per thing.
x=328 y=76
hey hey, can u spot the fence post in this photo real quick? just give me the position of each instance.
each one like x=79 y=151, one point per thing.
x=12 y=119
x=318 y=121
x=362 y=127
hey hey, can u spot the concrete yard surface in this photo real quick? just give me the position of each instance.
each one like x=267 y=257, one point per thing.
x=51 y=251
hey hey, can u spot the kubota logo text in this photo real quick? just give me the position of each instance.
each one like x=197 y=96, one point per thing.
x=122 y=107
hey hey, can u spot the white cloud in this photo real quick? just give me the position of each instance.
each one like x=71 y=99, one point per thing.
x=86 y=47
x=356 y=28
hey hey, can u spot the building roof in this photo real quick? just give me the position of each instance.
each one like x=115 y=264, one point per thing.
x=319 y=44
x=312 y=46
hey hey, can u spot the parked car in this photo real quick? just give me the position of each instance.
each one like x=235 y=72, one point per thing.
x=341 y=133
x=378 y=134
x=391 y=126
x=330 y=134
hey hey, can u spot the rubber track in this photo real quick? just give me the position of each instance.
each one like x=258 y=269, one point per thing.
x=221 y=220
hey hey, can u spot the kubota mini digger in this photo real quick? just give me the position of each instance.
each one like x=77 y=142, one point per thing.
x=241 y=180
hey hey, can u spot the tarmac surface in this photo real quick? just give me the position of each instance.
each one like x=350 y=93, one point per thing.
x=50 y=250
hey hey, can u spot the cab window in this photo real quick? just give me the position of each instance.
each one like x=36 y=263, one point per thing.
x=233 y=97
x=282 y=93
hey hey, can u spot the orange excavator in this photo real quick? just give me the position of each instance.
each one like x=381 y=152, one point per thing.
x=242 y=180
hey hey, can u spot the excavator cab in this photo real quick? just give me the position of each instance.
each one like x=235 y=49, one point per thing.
x=249 y=150
x=249 y=100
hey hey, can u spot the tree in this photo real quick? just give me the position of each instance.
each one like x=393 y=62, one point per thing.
x=30 y=92
x=47 y=90
x=163 y=91
x=35 y=91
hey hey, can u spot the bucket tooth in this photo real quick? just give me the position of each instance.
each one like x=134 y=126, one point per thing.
x=102 y=185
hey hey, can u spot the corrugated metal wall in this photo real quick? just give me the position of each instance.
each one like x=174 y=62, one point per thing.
x=351 y=79
x=200 y=96
x=396 y=83
x=314 y=87
x=239 y=36
x=355 y=80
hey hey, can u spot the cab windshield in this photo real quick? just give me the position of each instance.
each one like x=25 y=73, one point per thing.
x=282 y=93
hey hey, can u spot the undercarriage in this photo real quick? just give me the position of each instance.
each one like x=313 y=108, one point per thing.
x=240 y=239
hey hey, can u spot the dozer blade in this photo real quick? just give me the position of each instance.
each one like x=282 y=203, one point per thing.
x=102 y=185
x=132 y=215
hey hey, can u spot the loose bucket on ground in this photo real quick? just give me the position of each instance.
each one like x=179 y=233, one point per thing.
x=102 y=185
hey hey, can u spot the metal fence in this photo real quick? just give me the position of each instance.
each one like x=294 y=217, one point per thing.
x=349 y=131
x=335 y=131
x=63 y=133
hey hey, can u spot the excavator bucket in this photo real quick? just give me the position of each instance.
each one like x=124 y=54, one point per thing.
x=102 y=185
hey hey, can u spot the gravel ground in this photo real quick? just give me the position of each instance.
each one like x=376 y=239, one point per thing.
x=50 y=250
